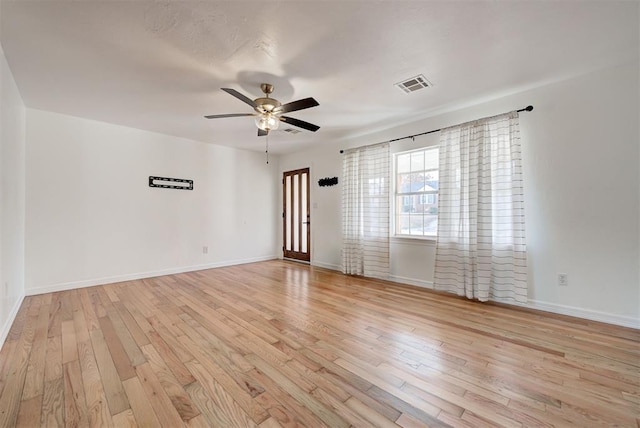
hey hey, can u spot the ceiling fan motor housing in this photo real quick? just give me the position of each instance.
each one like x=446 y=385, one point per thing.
x=266 y=105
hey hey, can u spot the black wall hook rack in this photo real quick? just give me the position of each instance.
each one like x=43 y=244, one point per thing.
x=328 y=181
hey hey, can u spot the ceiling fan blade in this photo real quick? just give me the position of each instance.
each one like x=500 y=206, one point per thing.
x=297 y=105
x=217 y=116
x=239 y=96
x=262 y=133
x=299 y=123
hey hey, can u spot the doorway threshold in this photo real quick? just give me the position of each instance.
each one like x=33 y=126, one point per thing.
x=304 y=262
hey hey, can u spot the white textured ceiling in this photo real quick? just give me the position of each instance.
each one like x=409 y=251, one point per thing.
x=158 y=65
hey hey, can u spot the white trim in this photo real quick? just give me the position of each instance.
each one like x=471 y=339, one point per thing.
x=330 y=266
x=10 y=319
x=129 y=277
x=572 y=311
x=588 y=314
x=411 y=281
x=421 y=241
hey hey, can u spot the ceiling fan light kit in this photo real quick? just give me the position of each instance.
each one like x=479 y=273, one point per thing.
x=268 y=111
x=267 y=122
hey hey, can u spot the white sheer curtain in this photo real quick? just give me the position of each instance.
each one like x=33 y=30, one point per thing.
x=480 y=251
x=365 y=211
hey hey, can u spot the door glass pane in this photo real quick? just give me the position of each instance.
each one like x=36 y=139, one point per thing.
x=304 y=213
x=296 y=213
x=287 y=220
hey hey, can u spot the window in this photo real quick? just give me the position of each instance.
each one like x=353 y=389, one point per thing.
x=416 y=193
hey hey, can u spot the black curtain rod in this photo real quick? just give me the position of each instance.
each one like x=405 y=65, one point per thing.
x=527 y=108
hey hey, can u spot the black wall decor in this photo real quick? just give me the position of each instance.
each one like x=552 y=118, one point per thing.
x=324 y=182
x=170 y=183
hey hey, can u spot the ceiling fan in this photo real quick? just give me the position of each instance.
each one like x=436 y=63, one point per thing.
x=268 y=111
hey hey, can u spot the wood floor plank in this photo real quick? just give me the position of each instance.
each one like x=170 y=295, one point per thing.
x=280 y=344
x=6 y=358
x=209 y=409
x=97 y=407
x=143 y=411
x=55 y=316
x=216 y=392
x=125 y=419
x=75 y=403
x=69 y=343
x=352 y=384
x=96 y=303
x=375 y=418
x=344 y=411
x=230 y=350
x=114 y=391
x=161 y=332
x=53 y=360
x=131 y=305
x=241 y=388
x=270 y=423
x=172 y=360
x=290 y=385
x=118 y=354
x=53 y=403
x=282 y=406
x=134 y=329
x=90 y=316
x=29 y=413
x=158 y=397
x=170 y=384
x=34 y=382
x=199 y=421
x=126 y=339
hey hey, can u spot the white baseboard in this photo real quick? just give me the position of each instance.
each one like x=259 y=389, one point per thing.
x=130 y=277
x=546 y=306
x=582 y=313
x=326 y=265
x=411 y=281
x=10 y=319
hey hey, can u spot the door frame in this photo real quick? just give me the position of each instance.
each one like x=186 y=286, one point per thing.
x=290 y=254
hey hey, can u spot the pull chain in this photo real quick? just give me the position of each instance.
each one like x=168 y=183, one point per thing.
x=267 y=149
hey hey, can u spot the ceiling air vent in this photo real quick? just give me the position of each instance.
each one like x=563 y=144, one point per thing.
x=292 y=131
x=413 y=84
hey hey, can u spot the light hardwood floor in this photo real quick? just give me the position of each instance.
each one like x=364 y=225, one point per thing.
x=282 y=344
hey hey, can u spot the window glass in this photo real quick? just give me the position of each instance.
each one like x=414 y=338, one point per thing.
x=416 y=193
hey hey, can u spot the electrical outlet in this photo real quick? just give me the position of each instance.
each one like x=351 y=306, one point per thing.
x=563 y=280
x=205 y=250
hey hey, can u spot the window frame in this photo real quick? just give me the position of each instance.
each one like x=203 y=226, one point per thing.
x=396 y=195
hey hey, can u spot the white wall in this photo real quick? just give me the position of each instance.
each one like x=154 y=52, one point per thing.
x=12 y=198
x=91 y=217
x=326 y=238
x=581 y=166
